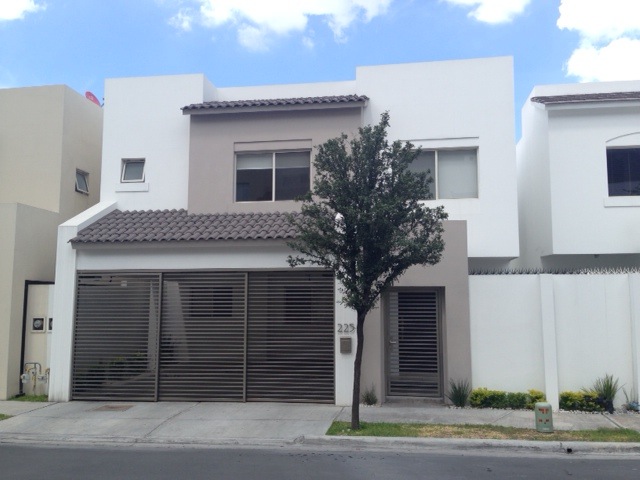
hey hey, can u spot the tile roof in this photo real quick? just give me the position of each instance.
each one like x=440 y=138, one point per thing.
x=178 y=225
x=275 y=102
x=587 y=98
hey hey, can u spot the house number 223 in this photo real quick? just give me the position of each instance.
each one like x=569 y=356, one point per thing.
x=346 y=328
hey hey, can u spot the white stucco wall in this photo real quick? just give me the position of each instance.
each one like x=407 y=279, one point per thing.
x=555 y=332
x=452 y=104
x=142 y=119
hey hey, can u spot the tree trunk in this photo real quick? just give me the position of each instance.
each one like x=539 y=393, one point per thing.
x=357 y=364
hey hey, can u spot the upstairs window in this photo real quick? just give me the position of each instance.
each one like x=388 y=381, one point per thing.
x=132 y=170
x=454 y=172
x=623 y=171
x=271 y=176
x=82 y=182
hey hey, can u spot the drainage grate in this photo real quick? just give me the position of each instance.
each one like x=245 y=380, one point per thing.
x=112 y=408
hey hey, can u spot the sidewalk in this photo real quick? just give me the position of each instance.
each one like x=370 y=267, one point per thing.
x=200 y=423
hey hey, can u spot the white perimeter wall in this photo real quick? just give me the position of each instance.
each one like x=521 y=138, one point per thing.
x=554 y=332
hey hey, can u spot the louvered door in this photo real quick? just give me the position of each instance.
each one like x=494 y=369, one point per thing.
x=414 y=360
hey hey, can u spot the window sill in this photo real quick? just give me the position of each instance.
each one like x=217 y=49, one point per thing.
x=631 y=201
x=133 y=187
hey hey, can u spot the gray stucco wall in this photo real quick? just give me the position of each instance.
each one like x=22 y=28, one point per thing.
x=215 y=138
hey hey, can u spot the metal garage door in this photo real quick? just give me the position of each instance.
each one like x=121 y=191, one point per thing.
x=115 y=338
x=290 y=338
x=204 y=336
x=414 y=357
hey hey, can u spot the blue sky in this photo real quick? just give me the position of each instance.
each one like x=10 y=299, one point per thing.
x=254 y=42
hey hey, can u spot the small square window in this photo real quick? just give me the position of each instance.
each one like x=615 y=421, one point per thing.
x=132 y=170
x=454 y=173
x=82 y=182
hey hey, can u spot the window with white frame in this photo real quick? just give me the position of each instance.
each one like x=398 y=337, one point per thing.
x=82 y=182
x=132 y=170
x=623 y=171
x=271 y=176
x=454 y=172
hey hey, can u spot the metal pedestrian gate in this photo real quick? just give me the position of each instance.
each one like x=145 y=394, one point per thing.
x=227 y=336
x=414 y=356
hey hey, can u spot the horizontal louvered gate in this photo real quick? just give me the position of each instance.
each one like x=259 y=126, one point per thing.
x=290 y=343
x=115 y=339
x=414 y=357
x=229 y=336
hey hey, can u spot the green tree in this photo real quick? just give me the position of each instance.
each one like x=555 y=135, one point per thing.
x=365 y=220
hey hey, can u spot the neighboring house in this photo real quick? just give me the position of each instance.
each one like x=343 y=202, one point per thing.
x=579 y=176
x=176 y=286
x=50 y=143
x=579 y=213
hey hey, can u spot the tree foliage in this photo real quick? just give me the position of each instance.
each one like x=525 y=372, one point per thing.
x=365 y=220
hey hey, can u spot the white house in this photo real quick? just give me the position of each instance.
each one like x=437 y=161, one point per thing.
x=176 y=286
x=579 y=176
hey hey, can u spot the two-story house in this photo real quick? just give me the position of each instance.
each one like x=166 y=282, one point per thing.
x=176 y=286
x=579 y=176
x=50 y=145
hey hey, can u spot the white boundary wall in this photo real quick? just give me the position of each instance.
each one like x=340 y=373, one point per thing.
x=555 y=332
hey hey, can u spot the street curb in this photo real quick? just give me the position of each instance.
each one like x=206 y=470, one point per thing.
x=460 y=444
x=469 y=444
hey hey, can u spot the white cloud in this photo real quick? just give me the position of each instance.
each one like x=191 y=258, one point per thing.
x=16 y=9
x=182 y=20
x=609 y=38
x=615 y=61
x=493 y=11
x=259 y=21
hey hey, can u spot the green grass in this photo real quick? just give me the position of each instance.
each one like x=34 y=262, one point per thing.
x=481 y=432
x=4 y=417
x=31 y=398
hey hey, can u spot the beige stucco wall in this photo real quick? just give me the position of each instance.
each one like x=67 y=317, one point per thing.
x=214 y=139
x=28 y=253
x=46 y=133
x=450 y=275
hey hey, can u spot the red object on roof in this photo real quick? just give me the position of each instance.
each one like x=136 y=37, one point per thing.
x=92 y=97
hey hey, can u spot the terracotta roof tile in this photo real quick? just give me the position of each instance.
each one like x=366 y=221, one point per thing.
x=275 y=102
x=587 y=98
x=178 y=225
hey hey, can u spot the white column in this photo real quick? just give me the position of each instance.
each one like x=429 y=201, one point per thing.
x=344 y=318
x=549 y=342
x=634 y=298
x=64 y=301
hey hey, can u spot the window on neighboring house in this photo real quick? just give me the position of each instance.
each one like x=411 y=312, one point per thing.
x=272 y=176
x=82 y=182
x=454 y=172
x=132 y=170
x=623 y=171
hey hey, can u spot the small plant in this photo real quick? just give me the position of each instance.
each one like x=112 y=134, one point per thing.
x=459 y=391
x=605 y=389
x=485 y=398
x=369 y=396
x=631 y=404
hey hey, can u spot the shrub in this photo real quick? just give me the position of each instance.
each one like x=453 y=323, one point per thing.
x=369 y=396
x=535 y=396
x=485 y=398
x=581 y=401
x=459 y=392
